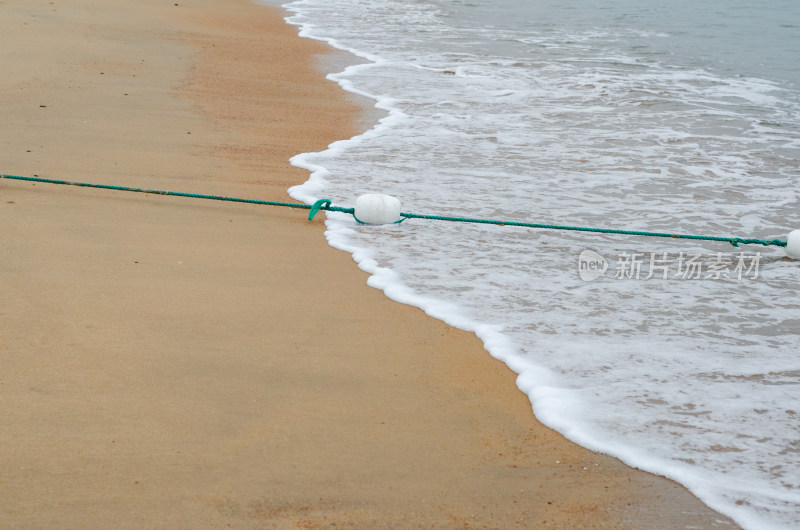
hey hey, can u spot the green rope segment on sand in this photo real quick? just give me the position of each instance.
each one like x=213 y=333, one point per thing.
x=325 y=204
x=317 y=206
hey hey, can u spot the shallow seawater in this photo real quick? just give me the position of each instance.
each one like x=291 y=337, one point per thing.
x=678 y=356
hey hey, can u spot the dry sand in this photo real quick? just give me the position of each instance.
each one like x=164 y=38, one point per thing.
x=177 y=363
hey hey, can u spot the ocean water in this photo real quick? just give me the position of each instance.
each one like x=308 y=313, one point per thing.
x=679 y=357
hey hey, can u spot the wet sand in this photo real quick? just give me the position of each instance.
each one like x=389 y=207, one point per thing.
x=178 y=363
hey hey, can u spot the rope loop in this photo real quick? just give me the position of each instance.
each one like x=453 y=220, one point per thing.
x=317 y=206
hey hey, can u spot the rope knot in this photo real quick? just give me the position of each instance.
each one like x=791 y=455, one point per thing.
x=321 y=204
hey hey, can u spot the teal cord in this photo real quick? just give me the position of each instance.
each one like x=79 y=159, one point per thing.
x=735 y=241
x=325 y=204
x=315 y=207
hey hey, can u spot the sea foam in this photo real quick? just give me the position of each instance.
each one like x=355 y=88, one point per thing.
x=595 y=122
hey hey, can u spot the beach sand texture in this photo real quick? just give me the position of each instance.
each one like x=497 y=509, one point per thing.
x=179 y=363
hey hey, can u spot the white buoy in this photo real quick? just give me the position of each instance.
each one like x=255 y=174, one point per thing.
x=377 y=209
x=793 y=244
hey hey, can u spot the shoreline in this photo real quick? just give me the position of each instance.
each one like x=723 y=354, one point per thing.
x=173 y=363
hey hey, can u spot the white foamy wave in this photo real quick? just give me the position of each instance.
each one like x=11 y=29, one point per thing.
x=534 y=121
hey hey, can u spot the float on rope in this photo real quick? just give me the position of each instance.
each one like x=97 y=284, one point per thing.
x=377 y=209
x=793 y=244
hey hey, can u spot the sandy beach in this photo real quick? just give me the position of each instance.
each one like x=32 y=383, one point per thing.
x=177 y=363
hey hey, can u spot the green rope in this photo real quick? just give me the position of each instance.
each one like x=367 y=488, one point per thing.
x=325 y=204
x=317 y=206
x=735 y=241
